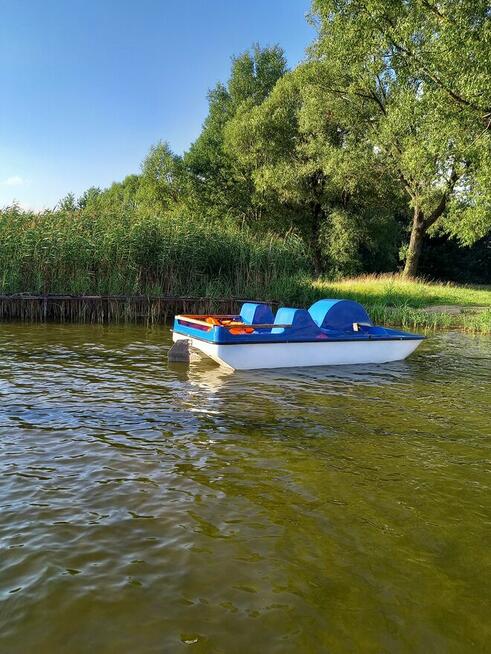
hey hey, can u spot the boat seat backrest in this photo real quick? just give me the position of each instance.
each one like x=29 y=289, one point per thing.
x=303 y=320
x=256 y=313
x=319 y=310
x=299 y=319
x=284 y=316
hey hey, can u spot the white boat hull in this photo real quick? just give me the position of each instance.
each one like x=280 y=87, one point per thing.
x=252 y=356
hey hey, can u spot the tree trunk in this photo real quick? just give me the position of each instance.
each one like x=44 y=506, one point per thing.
x=415 y=243
x=314 y=238
x=421 y=224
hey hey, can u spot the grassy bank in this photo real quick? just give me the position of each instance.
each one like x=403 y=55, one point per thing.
x=133 y=254
x=415 y=304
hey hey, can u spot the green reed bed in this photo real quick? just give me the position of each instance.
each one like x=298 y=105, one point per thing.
x=126 y=253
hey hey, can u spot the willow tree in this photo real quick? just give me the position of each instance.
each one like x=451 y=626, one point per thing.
x=413 y=77
x=324 y=176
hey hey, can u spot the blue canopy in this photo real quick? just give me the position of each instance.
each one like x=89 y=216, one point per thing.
x=338 y=314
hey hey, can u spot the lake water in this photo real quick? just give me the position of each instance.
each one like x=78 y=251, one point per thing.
x=153 y=510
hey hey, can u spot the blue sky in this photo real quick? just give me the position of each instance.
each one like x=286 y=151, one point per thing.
x=88 y=85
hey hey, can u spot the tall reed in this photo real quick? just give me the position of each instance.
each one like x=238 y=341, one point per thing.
x=128 y=253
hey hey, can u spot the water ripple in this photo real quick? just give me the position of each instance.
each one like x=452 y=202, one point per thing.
x=153 y=508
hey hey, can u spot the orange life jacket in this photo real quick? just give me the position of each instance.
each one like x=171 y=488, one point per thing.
x=238 y=327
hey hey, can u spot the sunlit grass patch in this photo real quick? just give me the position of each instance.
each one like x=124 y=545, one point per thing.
x=395 y=290
x=393 y=300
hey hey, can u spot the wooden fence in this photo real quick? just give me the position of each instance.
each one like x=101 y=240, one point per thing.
x=108 y=308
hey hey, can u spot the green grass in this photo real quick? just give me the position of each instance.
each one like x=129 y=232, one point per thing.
x=395 y=290
x=393 y=300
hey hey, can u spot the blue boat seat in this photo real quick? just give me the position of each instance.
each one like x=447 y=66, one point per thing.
x=256 y=313
x=299 y=319
x=339 y=315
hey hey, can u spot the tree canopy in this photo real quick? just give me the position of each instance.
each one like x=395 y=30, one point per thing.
x=218 y=186
x=299 y=154
x=413 y=76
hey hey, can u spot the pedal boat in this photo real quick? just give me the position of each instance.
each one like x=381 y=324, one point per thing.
x=330 y=332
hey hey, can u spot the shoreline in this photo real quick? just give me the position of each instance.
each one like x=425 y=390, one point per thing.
x=117 y=309
x=107 y=309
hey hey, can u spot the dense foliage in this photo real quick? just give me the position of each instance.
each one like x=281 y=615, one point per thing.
x=413 y=78
x=371 y=155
